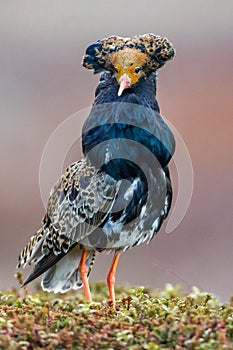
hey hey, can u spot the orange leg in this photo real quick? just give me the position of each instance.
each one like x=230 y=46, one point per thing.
x=112 y=278
x=83 y=269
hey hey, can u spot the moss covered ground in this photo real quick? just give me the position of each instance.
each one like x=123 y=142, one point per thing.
x=143 y=319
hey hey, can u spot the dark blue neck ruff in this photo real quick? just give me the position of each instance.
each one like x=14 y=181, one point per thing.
x=123 y=133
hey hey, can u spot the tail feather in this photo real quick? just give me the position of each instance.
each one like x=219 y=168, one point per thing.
x=44 y=264
x=61 y=271
x=65 y=275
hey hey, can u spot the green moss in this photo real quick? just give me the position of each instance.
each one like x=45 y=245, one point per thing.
x=142 y=320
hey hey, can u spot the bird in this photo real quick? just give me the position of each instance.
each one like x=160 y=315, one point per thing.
x=120 y=193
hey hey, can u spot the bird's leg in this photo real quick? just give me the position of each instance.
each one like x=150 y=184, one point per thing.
x=112 y=278
x=83 y=269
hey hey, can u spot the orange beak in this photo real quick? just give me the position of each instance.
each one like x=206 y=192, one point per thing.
x=125 y=82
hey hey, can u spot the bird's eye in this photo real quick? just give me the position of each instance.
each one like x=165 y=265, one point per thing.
x=137 y=70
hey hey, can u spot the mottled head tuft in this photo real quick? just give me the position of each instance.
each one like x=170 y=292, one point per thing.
x=148 y=51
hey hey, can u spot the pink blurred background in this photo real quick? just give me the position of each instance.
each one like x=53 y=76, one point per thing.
x=42 y=83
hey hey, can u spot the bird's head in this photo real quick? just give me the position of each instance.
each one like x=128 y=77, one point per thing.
x=129 y=65
x=128 y=59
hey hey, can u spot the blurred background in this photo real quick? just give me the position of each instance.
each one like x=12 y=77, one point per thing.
x=42 y=83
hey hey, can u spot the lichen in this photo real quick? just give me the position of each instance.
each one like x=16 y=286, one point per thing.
x=143 y=319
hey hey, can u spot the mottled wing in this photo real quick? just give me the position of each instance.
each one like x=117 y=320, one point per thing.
x=78 y=203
